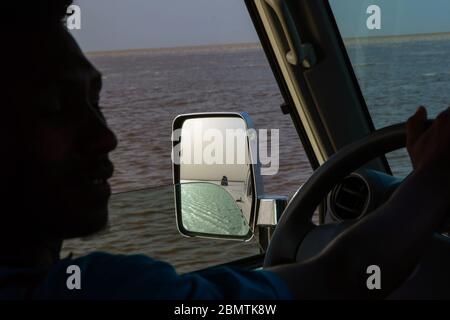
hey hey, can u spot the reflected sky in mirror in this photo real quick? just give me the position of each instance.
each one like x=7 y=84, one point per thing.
x=213 y=148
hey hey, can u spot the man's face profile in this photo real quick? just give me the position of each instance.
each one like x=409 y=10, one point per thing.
x=55 y=141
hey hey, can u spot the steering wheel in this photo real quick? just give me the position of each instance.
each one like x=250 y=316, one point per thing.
x=296 y=224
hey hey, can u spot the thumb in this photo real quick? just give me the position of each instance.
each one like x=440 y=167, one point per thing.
x=416 y=125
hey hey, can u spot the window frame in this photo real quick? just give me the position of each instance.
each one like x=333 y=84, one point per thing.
x=315 y=24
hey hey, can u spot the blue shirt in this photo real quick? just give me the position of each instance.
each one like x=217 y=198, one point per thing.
x=107 y=276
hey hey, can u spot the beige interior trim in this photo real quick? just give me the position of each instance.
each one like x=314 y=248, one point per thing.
x=294 y=90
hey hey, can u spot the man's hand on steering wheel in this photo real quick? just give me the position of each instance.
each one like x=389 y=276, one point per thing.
x=429 y=145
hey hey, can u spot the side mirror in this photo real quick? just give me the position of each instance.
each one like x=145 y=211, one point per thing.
x=215 y=179
x=218 y=186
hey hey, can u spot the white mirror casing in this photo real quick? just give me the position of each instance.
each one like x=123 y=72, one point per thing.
x=217 y=182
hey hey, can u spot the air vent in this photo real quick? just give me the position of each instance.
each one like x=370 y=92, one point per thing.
x=350 y=199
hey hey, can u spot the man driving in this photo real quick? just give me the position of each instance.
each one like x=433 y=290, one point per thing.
x=54 y=186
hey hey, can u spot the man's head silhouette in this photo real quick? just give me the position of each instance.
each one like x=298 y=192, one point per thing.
x=54 y=139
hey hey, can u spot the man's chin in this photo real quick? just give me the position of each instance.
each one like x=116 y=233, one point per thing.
x=74 y=222
x=72 y=211
x=86 y=225
x=85 y=211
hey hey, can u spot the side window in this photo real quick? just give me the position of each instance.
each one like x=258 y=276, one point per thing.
x=399 y=51
x=160 y=59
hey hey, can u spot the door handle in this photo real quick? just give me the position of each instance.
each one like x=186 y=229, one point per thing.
x=298 y=51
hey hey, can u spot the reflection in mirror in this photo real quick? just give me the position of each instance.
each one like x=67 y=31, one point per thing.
x=208 y=208
x=216 y=189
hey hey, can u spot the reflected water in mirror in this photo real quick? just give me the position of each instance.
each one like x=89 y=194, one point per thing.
x=208 y=208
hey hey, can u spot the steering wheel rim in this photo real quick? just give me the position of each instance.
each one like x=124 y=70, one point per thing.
x=296 y=222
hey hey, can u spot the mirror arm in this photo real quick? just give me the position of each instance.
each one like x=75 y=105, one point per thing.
x=269 y=209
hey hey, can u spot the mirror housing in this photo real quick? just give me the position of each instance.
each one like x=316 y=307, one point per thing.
x=204 y=189
x=202 y=145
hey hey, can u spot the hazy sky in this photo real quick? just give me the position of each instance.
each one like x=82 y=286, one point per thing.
x=128 y=24
x=125 y=24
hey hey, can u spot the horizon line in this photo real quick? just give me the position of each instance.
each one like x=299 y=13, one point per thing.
x=171 y=48
x=243 y=44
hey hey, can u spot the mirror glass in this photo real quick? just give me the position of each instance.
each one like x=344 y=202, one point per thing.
x=215 y=188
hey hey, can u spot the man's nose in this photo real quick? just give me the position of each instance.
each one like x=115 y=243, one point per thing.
x=100 y=139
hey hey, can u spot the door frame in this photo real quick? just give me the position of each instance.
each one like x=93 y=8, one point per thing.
x=312 y=94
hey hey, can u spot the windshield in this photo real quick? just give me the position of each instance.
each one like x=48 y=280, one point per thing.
x=399 y=50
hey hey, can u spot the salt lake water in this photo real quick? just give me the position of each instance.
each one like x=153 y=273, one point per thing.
x=145 y=89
